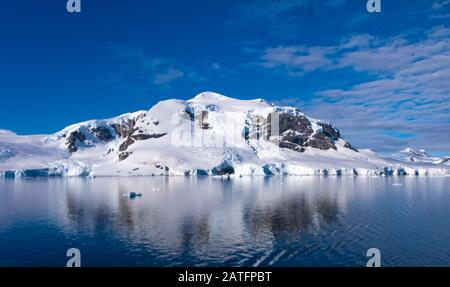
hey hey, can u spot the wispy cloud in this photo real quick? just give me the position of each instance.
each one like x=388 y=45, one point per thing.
x=168 y=76
x=297 y=59
x=411 y=95
x=148 y=69
x=440 y=4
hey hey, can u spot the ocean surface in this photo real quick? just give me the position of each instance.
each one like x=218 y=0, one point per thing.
x=249 y=221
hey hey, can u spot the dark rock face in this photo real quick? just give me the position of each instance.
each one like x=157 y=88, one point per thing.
x=129 y=141
x=138 y=137
x=330 y=131
x=103 y=133
x=142 y=137
x=124 y=155
x=128 y=129
x=321 y=141
x=294 y=129
x=349 y=146
x=295 y=123
x=74 y=137
x=296 y=132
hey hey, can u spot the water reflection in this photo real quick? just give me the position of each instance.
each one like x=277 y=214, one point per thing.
x=242 y=221
x=185 y=217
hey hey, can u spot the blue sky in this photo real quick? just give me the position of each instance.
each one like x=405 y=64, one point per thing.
x=383 y=79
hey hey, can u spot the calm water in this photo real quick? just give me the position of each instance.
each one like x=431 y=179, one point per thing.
x=279 y=221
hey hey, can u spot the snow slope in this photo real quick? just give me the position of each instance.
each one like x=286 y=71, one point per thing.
x=210 y=134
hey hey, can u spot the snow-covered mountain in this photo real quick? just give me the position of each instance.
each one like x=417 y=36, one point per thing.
x=420 y=156
x=210 y=134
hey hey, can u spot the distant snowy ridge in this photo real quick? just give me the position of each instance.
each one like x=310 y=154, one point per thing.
x=209 y=135
x=420 y=155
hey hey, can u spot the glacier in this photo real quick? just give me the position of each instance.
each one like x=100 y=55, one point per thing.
x=208 y=135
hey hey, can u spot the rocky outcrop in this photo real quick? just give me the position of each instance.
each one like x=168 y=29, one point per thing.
x=349 y=146
x=143 y=137
x=74 y=140
x=297 y=133
x=124 y=155
x=103 y=133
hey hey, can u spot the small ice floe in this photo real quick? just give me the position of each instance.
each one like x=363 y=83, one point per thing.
x=134 y=194
x=397 y=184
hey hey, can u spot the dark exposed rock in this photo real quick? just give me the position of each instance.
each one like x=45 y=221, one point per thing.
x=129 y=141
x=295 y=123
x=296 y=132
x=74 y=137
x=125 y=129
x=294 y=129
x=160 y=166
x=102 y=133
x=348 y=145
x=330 y=131
x=120 y=130
x=141 y=137
x=321 y=141
x=124 y=155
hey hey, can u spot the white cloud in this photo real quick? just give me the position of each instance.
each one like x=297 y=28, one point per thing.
x=168 y=76
x=411 y=96
x=357 y=41
x=440 y=4
x=297 y=58
x=146 y=70
x=216 y=66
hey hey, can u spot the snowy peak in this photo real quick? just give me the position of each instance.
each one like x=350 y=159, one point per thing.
x=419 y=156
x=412 y=152
x=210 y=134
x=211 y=96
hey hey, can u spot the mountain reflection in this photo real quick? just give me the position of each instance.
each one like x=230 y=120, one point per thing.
x=183 y=215
x=290 y=217
x=253 y=221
